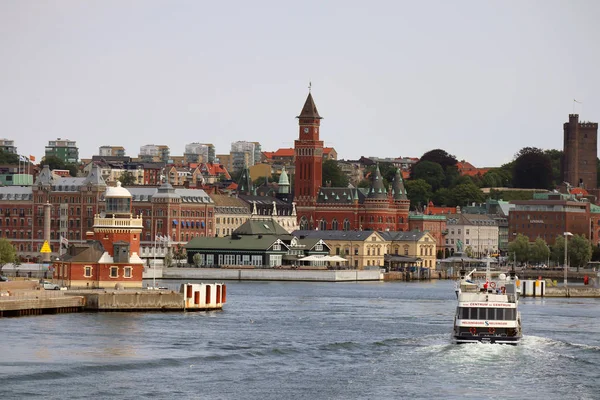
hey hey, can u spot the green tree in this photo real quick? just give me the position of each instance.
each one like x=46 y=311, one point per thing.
x=532 y=169
x=451 y=175
x=127 y=179
x=197 y=259
x=430 y=172
x=539 y=252
x=580 y=251
x=443 y=197
x=519 y=248
x=466 y=193
x=72 y=168
x=558 y=250
x=334 y=174
x=364 y=184
x=7 y=158
x=440 y=157
x=491 y=179
x=419 y=192
x=555 y=161
x=53 y=162
x=8 y=254
x=469 y=251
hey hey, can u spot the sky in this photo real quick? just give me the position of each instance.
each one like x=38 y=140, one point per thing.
x=479 y=79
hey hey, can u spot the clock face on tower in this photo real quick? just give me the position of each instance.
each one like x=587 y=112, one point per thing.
x=305 y=130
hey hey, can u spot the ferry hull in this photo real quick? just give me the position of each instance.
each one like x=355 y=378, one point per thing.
x=462 y=339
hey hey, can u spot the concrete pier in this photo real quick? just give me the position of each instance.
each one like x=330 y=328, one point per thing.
x=572 y=291
x=196 y=297
x=39 y=302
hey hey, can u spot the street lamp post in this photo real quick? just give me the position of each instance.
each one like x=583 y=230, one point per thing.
x=567 y=234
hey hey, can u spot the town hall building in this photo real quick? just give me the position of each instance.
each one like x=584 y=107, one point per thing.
x=323 y=207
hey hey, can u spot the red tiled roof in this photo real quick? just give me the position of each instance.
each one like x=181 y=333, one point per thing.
x=579 y=191
x=284 y=153
x=268 y=154
x=327 y=150
x=466 y=168
x=434 y=210
x=216 y=169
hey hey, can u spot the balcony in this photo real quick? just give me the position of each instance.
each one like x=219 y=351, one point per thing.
x=133 y=222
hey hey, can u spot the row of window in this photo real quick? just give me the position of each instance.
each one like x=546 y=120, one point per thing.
x=15 y=211
x=485 y=313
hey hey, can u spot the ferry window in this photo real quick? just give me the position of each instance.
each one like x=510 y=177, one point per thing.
x=510 y=313
x=491 y=315
x=464 y=313
x=500 y=313
x=482 y=313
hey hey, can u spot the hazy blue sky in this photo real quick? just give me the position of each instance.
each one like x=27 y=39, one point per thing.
x=480 y=79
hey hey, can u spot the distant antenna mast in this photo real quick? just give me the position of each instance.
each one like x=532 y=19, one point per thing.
x=578 y=102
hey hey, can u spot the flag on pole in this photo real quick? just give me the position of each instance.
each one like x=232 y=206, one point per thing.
x=23 y=159
x=157 y=238
x=32 y=158
x=64 y=241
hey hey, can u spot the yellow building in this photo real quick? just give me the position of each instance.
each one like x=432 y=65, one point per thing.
x=414 y=244
x=260 y=170
x=360 y=248
x=230 y=213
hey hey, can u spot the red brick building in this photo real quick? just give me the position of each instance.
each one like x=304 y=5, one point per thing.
x=550 y=216
x=110 y=256
x=329 y=208
x=74 y=202
x=434 y=224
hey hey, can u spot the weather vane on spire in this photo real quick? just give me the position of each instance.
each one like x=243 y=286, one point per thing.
x=309 y=86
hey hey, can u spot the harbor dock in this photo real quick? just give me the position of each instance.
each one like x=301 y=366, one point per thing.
x=191 y=297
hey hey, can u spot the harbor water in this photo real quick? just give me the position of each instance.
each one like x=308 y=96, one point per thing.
x=289 y=340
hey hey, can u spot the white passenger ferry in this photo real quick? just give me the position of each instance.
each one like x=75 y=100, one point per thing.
x=487 y=312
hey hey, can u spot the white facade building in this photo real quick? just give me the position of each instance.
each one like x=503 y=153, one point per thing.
x=476 y=234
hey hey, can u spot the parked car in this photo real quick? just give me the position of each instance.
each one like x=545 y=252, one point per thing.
x=50 y=286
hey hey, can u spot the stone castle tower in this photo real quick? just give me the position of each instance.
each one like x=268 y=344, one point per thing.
x=580 y=153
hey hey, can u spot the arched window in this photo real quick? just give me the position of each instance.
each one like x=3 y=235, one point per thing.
x=323 y=225
x=346 y=225
x=334 y=225
x=303 y=223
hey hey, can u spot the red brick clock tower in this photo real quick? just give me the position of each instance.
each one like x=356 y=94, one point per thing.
x=308 y=151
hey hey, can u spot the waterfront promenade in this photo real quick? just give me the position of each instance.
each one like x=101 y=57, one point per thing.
x=272 y=274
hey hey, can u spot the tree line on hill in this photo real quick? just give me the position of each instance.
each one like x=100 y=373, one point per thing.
x=435 y=177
